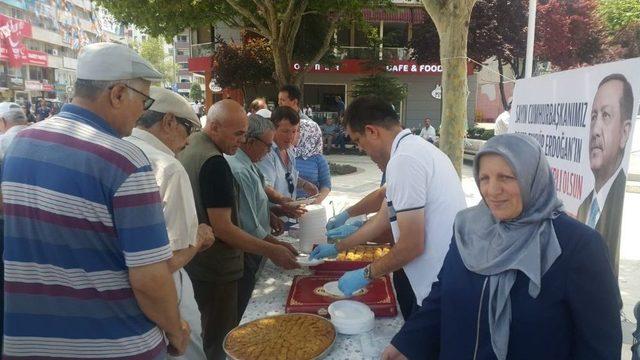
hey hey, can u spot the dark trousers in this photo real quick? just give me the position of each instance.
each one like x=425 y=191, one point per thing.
x=248 y=282
x=218 y=305
x=404 y=291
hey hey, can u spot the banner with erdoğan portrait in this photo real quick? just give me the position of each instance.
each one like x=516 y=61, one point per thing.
x=584 y=120
x=11 y=33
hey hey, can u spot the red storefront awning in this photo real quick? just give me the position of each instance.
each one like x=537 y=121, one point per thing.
x=404 y=15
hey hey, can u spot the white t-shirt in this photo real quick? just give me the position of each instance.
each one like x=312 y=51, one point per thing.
x=502 y=123
x=428 y=133
x=419 y=175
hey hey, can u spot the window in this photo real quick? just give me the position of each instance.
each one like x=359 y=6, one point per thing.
x=184 y=66
x=395 y=34
x=35 y=73
x=362 y=37
x=343 y=36
x=182 y=38
x=17 y=13
x=180 y=52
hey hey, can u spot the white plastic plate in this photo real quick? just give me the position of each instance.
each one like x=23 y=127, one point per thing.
x=333 y=289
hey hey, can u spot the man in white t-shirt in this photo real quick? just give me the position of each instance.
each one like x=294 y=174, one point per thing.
x=423 y=196
x=428 y=132
x=502 y=121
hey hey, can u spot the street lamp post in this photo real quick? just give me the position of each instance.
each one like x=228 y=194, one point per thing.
x=531 y=33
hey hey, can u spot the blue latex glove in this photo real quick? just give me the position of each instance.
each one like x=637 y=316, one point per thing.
x=344 y=230
x=338 y=220
x=352 y=281
x=323 y=250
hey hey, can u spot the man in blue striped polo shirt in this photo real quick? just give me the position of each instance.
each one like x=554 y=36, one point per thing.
x=86 y=245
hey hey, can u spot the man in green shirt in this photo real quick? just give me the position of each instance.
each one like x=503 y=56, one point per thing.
x=253 y=208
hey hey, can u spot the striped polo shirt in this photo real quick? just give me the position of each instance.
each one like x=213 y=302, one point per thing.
x=81 y=206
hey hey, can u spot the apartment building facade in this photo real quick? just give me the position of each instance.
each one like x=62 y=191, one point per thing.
x=40 y=45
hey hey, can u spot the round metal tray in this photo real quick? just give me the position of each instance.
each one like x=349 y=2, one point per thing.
x=322 y=355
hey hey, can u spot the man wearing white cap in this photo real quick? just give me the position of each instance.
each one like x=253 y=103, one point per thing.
x=162 y=132
x=86 y=248
x=12 y=121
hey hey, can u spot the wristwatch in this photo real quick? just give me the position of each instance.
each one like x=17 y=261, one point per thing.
x=367 y=273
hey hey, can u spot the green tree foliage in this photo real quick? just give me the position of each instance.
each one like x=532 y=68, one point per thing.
x=152 y=49
x=378 y=82
x=618 y=14
x=195 y=93
x=278 y=21
x=622 y=22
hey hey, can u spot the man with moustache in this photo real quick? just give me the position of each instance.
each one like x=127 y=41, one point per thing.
x=611 y=116
x=216 y=271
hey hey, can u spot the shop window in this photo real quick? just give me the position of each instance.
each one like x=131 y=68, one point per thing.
x=395 y=34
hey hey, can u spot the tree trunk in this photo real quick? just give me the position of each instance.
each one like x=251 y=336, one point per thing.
x=503 y=98
x=451 y=18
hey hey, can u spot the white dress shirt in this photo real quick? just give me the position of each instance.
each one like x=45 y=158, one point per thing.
x=175 y=189
x=181 y=219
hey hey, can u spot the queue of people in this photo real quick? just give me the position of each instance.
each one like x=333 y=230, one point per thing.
x=131 y=230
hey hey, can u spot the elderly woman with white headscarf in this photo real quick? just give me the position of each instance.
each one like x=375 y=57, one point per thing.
x=522 y=279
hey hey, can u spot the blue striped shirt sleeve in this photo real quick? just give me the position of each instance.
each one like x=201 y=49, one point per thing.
x=139 y=220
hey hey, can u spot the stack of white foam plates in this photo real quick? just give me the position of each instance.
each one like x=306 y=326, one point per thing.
x=351 y=317
x=312 y=227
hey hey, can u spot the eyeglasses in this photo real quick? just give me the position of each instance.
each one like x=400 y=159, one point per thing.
x=289 y=179
x=268 y=145
x=186 y=123
x=146 y=103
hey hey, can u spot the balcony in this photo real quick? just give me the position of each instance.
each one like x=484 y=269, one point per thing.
x=181 y=45
x=182 y=58
x=366 y=53
x=202 y=50
x=391 y=53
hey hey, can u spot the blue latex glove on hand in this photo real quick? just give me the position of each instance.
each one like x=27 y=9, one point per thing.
x=352 y=281
x=344 y=230
x=323 y=250
x=338 y=220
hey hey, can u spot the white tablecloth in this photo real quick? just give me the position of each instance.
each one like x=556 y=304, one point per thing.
x=269 y=298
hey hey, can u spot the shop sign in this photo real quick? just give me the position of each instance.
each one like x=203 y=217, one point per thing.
x=437 y=92
x=33 y=85
x=32 y=57
x=38 y=58
x=354 y=66
x=16 y=82
x=69 y=63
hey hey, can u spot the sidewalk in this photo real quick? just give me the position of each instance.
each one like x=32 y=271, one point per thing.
x=348 y=189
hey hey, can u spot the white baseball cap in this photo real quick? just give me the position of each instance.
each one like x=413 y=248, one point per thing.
x=265 y=113
x=109 y=62
x=166 y=101
x=6 y=106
